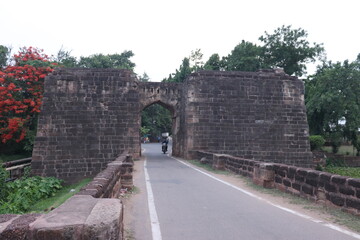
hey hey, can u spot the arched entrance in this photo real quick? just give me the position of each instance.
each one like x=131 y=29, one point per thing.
x=167 y=95
x=158 y=119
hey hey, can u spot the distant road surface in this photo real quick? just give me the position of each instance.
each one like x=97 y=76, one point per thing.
x=185 y=203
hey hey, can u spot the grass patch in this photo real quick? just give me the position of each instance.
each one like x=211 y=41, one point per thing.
x=343 y=218
x=134 y=190
x=60 y=197
x=129 y=234
x=208 y=167
x=343 y=150
x=353 y=172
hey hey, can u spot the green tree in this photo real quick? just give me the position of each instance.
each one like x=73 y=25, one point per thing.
x=155 y=119
x=4 y=55
x=196 y=61
x=108 y=61
x=184 y=71
x=214 y=63
x=64 y=59
x=332 y=99
x=246 y=56
x=144 y=78
x=289 y=49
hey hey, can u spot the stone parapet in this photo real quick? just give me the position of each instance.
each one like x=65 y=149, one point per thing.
x=81 y=217
x=322 y=187
x=109 y=182
x=93 y=213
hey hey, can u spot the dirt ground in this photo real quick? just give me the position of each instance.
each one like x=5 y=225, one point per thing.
x=137 y=223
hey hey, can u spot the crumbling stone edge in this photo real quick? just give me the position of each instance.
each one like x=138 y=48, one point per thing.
x=96 y=212
x=322 y=187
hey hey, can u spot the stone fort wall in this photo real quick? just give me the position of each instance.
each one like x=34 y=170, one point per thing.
x=258 y=115
x=90 y=116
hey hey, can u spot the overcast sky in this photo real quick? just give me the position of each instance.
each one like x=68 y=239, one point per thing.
x=162 y=32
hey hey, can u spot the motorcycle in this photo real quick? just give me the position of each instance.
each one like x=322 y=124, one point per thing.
x=164 y=148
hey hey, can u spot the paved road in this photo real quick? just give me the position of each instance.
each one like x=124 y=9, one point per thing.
x=192 y=205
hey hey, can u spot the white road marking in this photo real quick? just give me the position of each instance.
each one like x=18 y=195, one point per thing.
x=334 y=227
x=155 y=225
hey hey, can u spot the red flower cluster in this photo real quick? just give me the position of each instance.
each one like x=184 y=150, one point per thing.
x=21 y=89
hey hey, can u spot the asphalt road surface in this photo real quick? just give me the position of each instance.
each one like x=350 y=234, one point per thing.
x=184 y=203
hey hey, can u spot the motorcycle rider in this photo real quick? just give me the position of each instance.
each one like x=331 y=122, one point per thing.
x=165 y=143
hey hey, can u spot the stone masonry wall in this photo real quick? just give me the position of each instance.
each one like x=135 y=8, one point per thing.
x=88 y=118
x=254 y=115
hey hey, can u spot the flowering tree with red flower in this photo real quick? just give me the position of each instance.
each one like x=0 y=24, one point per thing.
x=21 y=92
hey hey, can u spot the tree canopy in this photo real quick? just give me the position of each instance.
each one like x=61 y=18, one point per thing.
x=285 y=48
x=289 y=49
x=332 y=98
x=155 y=120
x=4 y=54
x=246 y=56
x=214 y=63
x=122 y=60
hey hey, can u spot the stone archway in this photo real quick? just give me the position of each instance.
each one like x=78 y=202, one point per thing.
x=174 y=127
x=167 y=95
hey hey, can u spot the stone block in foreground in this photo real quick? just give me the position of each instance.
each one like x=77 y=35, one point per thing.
x=81 y=217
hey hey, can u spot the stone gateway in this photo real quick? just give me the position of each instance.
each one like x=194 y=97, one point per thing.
x=91 y=116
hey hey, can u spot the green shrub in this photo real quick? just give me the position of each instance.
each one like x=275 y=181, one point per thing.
x=4 y=175
x=316 y=142
x=22 y=193
x=335 y=162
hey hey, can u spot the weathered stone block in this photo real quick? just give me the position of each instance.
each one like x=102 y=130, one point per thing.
x=17 y=227
x=80 y=217
x=353 y=203
x=336 y=199
x=287 y=183
x=307 y=189
x=264 y=175
x=338 y=179
x=330 y=187
x=312 y=182
x=354 y=182
x=346 y=191
x=278 y=179
x=296 y=186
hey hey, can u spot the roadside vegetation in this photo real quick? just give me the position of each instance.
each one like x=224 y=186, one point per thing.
x=33 y=194
x=335 y=163
x=347 y=150
x=20 y=195
x=59 y=197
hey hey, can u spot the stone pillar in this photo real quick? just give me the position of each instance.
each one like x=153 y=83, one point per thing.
x=218 y=162
x=264 y=175
x=126 y=178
